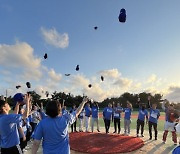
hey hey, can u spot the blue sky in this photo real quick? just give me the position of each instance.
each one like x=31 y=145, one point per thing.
x=139 y=55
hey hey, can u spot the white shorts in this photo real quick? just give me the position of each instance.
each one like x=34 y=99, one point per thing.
x=169 y=126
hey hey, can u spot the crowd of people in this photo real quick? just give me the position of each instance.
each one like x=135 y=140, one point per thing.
x=30 y=122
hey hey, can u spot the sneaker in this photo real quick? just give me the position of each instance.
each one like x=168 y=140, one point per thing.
x=164 y=142
x=155 y=138
x=142 y=135
x=114 y=132
x=98 y=130
x=150 y=138
x=137 y=135
x=175 y=143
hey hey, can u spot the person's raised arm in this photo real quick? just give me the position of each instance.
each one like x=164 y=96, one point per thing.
x=16 y=109
x=27 y=100
x=149 y=102
x=163 y=105
x=79 y=109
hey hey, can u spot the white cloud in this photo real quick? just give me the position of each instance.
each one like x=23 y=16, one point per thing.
x=112 y=73
x=20 y=56
x=173 y=94
x=152 y=78
x=53 y=37
x=123 y=82
x=54 y=76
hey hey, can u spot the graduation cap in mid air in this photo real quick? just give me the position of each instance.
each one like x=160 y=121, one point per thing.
x=89 y=85
x=47 y=93
x=77 y=68
x=17 y=87
x=28 y=84
x=67 y=74
x=45 y=56
x=122 y=15
x=95 y=27
x=102 y=78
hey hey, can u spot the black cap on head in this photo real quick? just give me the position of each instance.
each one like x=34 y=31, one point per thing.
x=77 y=68
x=89 y=85
x=17 y=87
x=28 y=84
x=102 y=78
x=95 y=27
x=45 y=56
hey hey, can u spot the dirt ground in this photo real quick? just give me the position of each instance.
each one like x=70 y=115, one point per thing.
x=150 y=146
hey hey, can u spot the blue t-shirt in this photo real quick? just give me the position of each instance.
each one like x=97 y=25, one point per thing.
x=9 y=125
x=87 y=111
x=42 y=114
x=117 y=113
x=54 y=132
x=107 y=113
x=64 y=111
x=127 y=113
x=154 y=115
x=95 y=111
x=142 y=114
x=176 y=150
x=23 y=124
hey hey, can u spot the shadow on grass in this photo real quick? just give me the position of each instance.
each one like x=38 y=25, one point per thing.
x=155 y=149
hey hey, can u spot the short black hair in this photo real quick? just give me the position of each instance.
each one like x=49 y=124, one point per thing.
x=2 y=103
x=53 y=109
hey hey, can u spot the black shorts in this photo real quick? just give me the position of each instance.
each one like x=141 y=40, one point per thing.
x=12 y=150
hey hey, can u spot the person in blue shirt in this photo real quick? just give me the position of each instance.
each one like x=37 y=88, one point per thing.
x=117 y=117
x=153 y=118
x=95 y=116
x=54 y=129
x=87 y=116
x=81 y=117
x=73 y=125
x=141 y=118
x=107 y=116
x=9 y=127
x=127 y=118
x=176 y=150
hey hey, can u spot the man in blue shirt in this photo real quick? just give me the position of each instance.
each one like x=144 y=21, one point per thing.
x=87 y=116
x=54 y=129
x=153 y=119
x=73 y=125
x=95 y=116
x=127 y=118
x=141 y=118
x=9 y=126
x=81 y=117
x=117 y=116
x=107 y=116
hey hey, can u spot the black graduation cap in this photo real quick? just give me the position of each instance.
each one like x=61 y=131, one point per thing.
x=17 y=87
x=102 y=78
x=47 y=93
x=122 y=15
x=89 y=85
x=28 y=84
x=77 y=68
x=67 y=74
x=95 y=27
x=45 y=56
